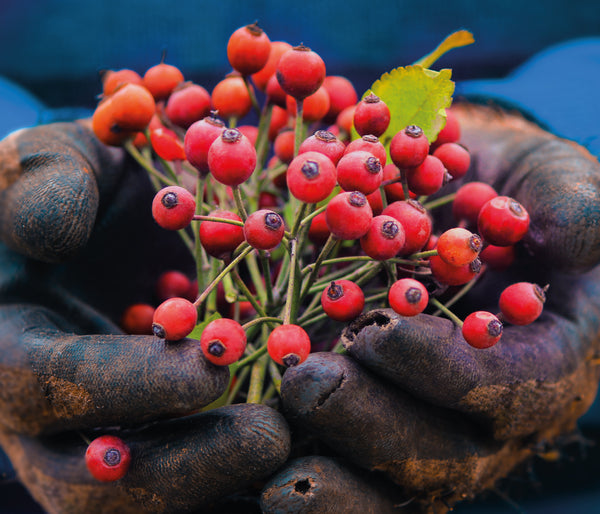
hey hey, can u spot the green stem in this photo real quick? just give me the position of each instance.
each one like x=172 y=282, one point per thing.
x=329 y=245
x=291 y=301
x=423 y=255
x=201 y=217
x=238 y=384
x=239 y=202
x=457 y=321
x=257 y=380
x=139 y=158
x=248 y=294
x=219 y=277
x=439 y=202
x=299 y=127
x=251 y=93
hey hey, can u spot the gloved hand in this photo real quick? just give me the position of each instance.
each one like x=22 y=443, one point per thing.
x=78 y=246
x=417 y=406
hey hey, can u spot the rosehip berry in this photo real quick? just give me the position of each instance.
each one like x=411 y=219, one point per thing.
x=498 y=258
x=220 y=239
x=469 y=199
x=108 y=458
x=132 y=107
x=264 y=229
x=248 y=49
x=408 y=297
x=250 y=131
x=198 y=138
x=409 y=147
x=428 y=177
x=502 y=221
x=371 y=116
x=384 y=239
x=279 y=120
x=453 y=275
x=311 y=177
x=161 y=79
x=223 y=341
x=318 y=232
x=359 y=171
x=172 y=283
x=187 y=104
x=349 y=215
x=455 y=158
x=325 y=142
x=113 y=79
x=368 y=143
x=314 y=107
x=173 y=207
x=415 y=220
x=482 y=329
x=288 y=345
x=345 y=120
x=137 y=319
x=283 y=146
x=300 y=72
x=343 y=300
x=231 y=158
x=275 y=93
x=166 y=144
x=174 y=319
x=375 y=201
x=450 y=132
x=261 y=77
x=230 y=98
x=104 y=126
x=342 y=94
x=522 y=303
x=393 y=192
x=459 y=246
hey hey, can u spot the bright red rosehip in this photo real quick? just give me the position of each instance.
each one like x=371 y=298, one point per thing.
x=343 y=300
x=108 y=458
x=455 y=158
x=325 y=142
x=450 y=132
x=218 y=238
x=311 y=177
x=458 y=246
x=415 y=220
x=161 y=79
x=314 y=107
x=426 y=178
x=409 y=147
x=248 y=49
x=359 y=171
x=231 y=158
x=498 y=257
x=469 y=199
x=223 y=341
x=264 y=229
x=453 y=275
x=503 y=221
x=173 y=207
x=342 y=94
x=522 y=303
x=137 y=319
x=261 y=77
x=349 y=215
x=408 y=297
x=368 y=143
x=300 y=72
x=283 y=146
x=384 y=239
x=174 y=319
x=113 y=79
x=481 y=329
x=230 y=98
x=172 y=283
x=166 y=144
x=187 y=104
x=288 y=345
x=198 y=138
x=371 y=116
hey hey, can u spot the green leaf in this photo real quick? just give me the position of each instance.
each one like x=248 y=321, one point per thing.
x=198 y=329
x=454 y=40
x=415 y=96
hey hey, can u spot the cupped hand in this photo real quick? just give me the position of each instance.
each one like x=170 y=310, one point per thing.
x=412 y=403
x=78 y=246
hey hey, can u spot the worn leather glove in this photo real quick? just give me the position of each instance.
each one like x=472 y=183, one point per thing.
x=412 y=404
x=79 y=245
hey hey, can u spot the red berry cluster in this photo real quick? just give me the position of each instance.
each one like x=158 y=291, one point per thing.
x=294 y=220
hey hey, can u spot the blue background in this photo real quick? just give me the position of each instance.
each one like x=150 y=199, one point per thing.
x=53 y=51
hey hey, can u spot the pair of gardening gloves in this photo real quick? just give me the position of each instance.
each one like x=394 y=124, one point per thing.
x=409 y=419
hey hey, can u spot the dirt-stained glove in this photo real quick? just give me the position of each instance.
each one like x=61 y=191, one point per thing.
x=78 y=246
x=411 y=401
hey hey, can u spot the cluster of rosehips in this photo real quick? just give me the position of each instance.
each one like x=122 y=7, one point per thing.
x=295 y=222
